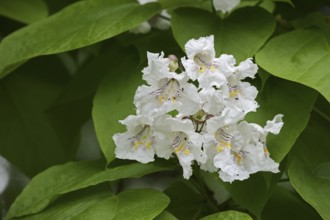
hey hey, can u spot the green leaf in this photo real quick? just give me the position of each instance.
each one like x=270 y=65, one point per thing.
x=26 y=11
x=141 y=204
x=27 y=138
x=61 y=179
x=186 y=202
x=323 y=171
x=114 y=101
x=292 y=100
x=285 y=1
x=259 y=187
x=301 y=56
x=241 y=34
x=70 y=205
x=205 y=4
x=228 y=215
x=287 y=206
x=311 y=150
x=165 y=215
x=316 y=19
x=78 y=25
x=72 y=108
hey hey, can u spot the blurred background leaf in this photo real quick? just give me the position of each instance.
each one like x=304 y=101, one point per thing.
x=25 y=11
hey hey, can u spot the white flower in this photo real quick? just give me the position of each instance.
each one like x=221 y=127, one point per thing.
x=213 y=100
x=238 y=150
x=225 y=5
x=185 y=142
x=167 y=91
x=142 y=2
x=4 y=174
x=161 y=22
x=240 y=96
x=256 y=138
x=139 y=142
x=201 y=64
x=142 y=28
x=218 y=144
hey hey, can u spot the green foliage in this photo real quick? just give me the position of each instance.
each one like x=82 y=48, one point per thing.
x=23 y=114
x=300 y=56
x=186 y=201
x=292 y=100
x=61 y=179
x=309 y=157
x=230 y=215
x=241 y=34
x=287 y=206
x=143 y=204
x=165 y=216
x=115 y=94
x=26 y=11
x=87 y=22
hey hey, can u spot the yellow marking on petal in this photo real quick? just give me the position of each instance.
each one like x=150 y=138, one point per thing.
x=225 y=143
x=186 y=151
x=180 y=148
x=202 y=69
x=212 y=68
x=238 y=157
x=161 y=99
x=148 y=145
x=234 y=93
x=173 y=99
x=219 y=148
x=136 y=144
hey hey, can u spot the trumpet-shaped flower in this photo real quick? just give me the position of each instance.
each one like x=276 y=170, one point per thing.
x=185 y=142
x=201 y=64
x=240 y=96
x=238 y=150
x=140 y=142
x=167 y=91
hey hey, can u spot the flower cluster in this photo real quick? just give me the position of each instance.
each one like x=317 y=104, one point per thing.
x=194 y=109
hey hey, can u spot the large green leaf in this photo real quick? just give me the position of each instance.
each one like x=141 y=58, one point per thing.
x=61 y=179
x=72 y=108
x=205 y=4
x=311 y=151
x=259 y=187
x=78 y=25
x=165 y=216
x=26 y=11
x=141 y=204
x=186 y=201
x=98 y=205
x=288 y=206
x=228 y=215
x=241 y=34
x=114 y=101
x=302 y=56
x=71 y=205
x=292 y=100
x=27 y=138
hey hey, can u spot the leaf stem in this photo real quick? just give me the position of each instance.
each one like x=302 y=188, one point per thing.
x=318 y=111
